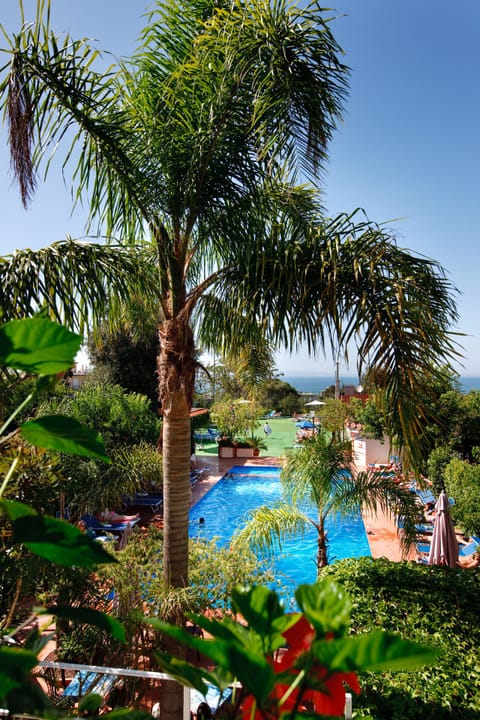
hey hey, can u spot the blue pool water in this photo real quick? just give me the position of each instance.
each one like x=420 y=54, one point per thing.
x=225 y=506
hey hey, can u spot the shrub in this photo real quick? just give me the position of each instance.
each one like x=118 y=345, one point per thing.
x=462 y=481
x=432 y=605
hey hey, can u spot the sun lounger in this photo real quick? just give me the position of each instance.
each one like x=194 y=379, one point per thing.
x=424 y=528
x=425 y=496
x=423 y=548
x=85 y=682
x=152 y=500
x=468 y=549
x=209 y=435
x=98 y=526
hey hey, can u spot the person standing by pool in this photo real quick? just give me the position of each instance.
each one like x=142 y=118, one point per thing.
x=267 y=430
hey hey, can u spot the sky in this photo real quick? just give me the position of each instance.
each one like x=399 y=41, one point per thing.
x=407 y=151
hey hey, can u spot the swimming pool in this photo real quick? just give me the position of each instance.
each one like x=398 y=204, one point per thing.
x=244 y=488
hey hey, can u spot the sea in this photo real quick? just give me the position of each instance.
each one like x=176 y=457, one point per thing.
x=315 y=384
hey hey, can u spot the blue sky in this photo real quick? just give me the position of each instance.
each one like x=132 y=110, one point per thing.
x=408 y=150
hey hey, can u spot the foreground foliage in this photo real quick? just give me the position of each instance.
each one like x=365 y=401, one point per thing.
x=38 y=347
x=435 y=605
x=308 y=676
x=288 y=664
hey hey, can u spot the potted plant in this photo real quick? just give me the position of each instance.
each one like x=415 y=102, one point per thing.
x=244 y=448
x=257 y=443
x=226 y=447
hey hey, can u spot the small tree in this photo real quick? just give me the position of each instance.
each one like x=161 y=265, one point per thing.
x=333 y=415
x=236 y=418
x=369 y=416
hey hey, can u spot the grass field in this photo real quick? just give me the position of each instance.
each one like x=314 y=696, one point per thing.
x=281 y=439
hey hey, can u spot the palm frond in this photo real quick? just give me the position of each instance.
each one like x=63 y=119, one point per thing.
x=314 y=471
x=267 y=527
x=379 y=492
x=74 y=282
x=341 y=281
x=50 y=90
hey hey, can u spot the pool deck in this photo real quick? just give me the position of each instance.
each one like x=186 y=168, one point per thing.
x=381 y=530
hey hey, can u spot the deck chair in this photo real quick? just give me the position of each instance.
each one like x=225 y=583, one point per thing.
x=152 y=500
x=98 y=526
x=423 y=548
x=468 y=549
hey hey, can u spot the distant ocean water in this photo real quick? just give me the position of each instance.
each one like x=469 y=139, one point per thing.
x=315 y=384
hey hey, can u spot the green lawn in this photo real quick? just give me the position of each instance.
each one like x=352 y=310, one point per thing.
x=281 y=439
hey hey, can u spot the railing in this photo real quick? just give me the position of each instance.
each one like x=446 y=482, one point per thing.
x=145 y=674
x=82 y=672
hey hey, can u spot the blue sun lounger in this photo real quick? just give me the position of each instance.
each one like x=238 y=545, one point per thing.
x=98 y=526
x=424 y=528
x=152 y=500
x=425 y=496
x=423 y=548
x=86 y=681
x=468 y=549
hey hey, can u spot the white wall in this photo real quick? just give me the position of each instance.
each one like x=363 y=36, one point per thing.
x=367 y=451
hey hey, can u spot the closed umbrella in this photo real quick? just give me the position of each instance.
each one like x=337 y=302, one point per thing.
x=444 y=547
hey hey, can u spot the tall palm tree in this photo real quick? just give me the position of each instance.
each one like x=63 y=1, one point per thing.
x=191 y=152
x=317 y=473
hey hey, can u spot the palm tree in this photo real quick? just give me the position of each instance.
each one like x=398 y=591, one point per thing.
x=317 y=473
x=190 y=154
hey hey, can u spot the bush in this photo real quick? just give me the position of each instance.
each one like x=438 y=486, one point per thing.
x=431 y=605
x=462 y=482
x=213 y=573
x=130 y=431
x=121 y=418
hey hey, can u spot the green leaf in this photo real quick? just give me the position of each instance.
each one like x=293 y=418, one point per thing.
x=244 y=660
x=379 y=651
x=15 y=663
x=16 y=510
x=64 y=434
x=59 y=542
x=38 y=346
x=261 y=609
x=178 y=633
x=87 y=616
x=326 y=606
x=184 y=672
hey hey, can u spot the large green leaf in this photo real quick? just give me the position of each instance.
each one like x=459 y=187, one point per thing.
x=87 y=616
x=38 y=346
x=16 y=510
x=59 y=542
x=64 y=434
x=378 y=651
x=261 y=607
x=326 y=606
x=244 y=660
x=15 y=663
x=182 y=671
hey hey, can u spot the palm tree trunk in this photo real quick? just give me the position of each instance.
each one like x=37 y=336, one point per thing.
x=322 y=558
x=176 y=378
